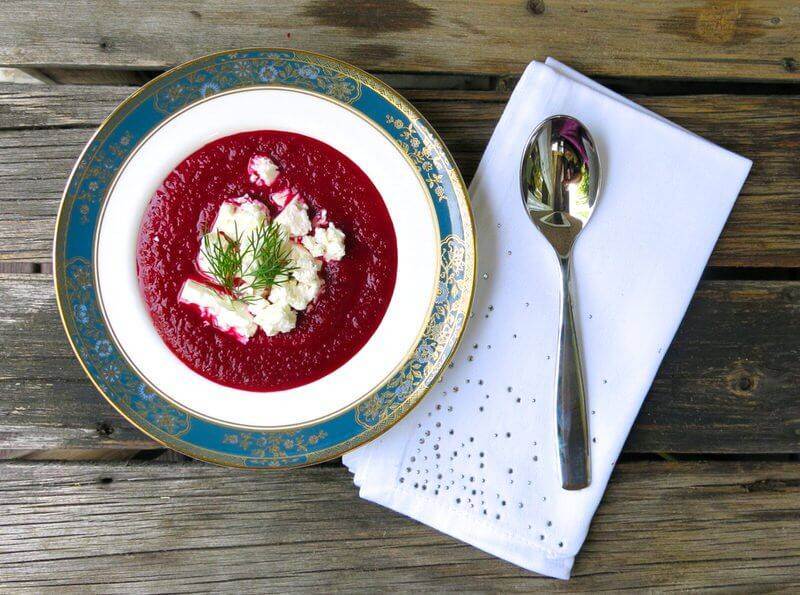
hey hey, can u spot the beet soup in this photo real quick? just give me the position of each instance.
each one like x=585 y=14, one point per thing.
x=340 y=260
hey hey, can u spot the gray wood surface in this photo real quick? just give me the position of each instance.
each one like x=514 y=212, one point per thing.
x=116 y=528
x=729 y=383
x=712 y=39
x=43 y=129
x=729 y=387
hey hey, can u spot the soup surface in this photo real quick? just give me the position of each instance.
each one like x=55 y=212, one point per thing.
x=355 y=289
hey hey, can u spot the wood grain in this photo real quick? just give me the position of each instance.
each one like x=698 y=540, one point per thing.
x=117 y=528
x=729 y=383
x=43 y=129
x=18 y=267
x=699 y=39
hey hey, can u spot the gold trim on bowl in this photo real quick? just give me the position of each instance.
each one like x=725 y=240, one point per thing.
x=371 y=432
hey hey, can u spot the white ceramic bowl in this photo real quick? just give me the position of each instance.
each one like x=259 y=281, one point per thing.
x=267 y=108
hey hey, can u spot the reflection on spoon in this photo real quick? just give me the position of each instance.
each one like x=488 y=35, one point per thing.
x=560 y=182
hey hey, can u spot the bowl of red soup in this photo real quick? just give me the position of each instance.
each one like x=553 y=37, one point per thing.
x=281 y=258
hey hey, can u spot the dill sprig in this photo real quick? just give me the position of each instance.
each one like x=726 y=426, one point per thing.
x=225 y=258
x=271 y=264
x=245 y=267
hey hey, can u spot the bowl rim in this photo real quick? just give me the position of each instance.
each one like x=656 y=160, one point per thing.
x=470 y=261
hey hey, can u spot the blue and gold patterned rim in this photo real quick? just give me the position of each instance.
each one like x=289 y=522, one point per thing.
x=97 y=168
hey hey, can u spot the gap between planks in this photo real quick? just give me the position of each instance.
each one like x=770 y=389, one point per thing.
x=752 y=41
x=728 y=384
x=418 y=81
x=711 y=273
x=42 y=129
x=185 y=527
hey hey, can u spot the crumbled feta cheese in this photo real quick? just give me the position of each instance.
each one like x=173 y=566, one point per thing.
x=327 y=242
x=236 y=217
x=305 y=266
x=273 y=318
x=273 y=309
x=295 y=294
x=262 y=171
x=281 y=197
x=246 y=290
x=203 y=265
x=241 y=215
x=314 y=247
x=254 y=306
x=294 y=218
x=226 y=314
x=283 y=293
x=308 y=292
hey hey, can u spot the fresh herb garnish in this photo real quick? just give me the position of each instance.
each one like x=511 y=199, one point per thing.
x=271 y=264
x=245 y=267
x=224 y=257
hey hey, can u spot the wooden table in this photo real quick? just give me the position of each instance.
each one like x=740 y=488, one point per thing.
x=707 y=492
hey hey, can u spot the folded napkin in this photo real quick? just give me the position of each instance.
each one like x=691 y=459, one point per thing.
x=477 y=458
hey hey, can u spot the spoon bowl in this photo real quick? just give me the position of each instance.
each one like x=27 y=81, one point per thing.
x=560 y=180
x=560 y=183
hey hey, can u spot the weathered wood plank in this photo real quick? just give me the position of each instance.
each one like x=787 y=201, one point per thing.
x=115 y=528
x=57 y=106
x=753 y=40
x=43 y=128
x=729 y=383
x=730 y=376
x=44 y=390
x=75 y=454
x=18 y=267
x=19 y=75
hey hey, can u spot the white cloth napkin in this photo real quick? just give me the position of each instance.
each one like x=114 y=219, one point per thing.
x=477 y=458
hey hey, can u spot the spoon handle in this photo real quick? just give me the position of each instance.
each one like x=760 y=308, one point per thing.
x=573 y=438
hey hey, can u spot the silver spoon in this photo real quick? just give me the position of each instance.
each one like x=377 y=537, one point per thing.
x=560 y=181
